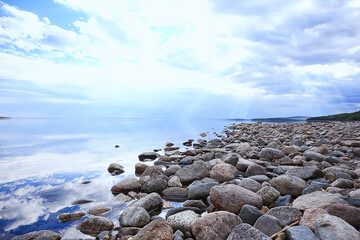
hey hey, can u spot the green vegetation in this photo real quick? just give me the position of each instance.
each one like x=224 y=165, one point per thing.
x=4 y=117
x=281 y=119
x=355 y=116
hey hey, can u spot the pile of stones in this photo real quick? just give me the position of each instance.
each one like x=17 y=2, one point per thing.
x=253 y=181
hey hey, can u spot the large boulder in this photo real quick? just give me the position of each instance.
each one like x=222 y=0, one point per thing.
x=215 y=226
x=271 y=153
x=317 y=200
x=223 y=172
x=95 y=225
x=126 y=185
x=150 y=202
x=157 y=229
x=332 y=227
x=289 y=185
x=134 y=217
x=232 y=198
x=245 y=231
x=196 y=171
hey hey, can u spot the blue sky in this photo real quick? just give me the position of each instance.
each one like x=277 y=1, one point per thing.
x=179 y=59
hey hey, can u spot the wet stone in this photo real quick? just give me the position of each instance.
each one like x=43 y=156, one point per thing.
x=67 y=217
x=95 y=225
x=98 y=210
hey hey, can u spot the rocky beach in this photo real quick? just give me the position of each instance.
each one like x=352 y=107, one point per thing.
x=253 y=181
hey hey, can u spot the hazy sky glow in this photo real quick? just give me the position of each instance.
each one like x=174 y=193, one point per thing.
x=204 y=58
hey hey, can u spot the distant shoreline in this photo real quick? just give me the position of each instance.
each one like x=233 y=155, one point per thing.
x=5 y=117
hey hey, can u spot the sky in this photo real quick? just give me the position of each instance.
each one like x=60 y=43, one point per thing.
x=179 y=59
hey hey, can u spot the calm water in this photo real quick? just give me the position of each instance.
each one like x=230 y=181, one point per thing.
x=43 y=162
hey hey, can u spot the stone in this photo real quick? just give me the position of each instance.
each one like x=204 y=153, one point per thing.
x=249 y=214
x=215 y=226
x=291 y=149
x=181 y=209
x=39 y=235
x=98 y=210
x=271 y=153
x=140 y=167
x=260 y=178
x=268 y=224
x=250 y=184
x=332 y=227
x=284 y=161
x=310 y=216
x=343 y=175
x=182 y=221
x=122 y=198
x=245 y=231
x=355 y=194
x=94 y=225
x=233 y=197
x=282 y=201
x=347 y=213
x=148 y=155
x=243 y=147
x=331 y=172
x=200 y=191
x=150 y=202
x=305 y=172
x=243 y=164
x=189 y=153
x=343 y=183
x=289 y=185
x=174 y=181
x=172 y=170
x=311 y=188
x=355 y=202
x=178 y=235
x=285 y=214
x=67 y=217
x=195 y=203
x=115 y=169
x=134 y=217
x=255 y=169
x=317 y=200
x=268 y=194
x=195 y=171
x=126 y=185
x=153 y=179
x=231 y=158
x=310 y=155
x=300 y=233
x=82 y=201
x=223 y=172
x=157 y=229
x=175 y=194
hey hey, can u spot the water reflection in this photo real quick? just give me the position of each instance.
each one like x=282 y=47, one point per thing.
x=44 y=161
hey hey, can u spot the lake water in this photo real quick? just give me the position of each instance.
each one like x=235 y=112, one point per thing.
x=43 y=162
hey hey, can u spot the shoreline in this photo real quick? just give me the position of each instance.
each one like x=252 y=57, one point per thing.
x=261 y=164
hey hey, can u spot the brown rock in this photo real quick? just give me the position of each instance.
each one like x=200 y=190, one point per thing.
x=196 y=171
x=232 y=197
x=255 y=169
x=157 y=229
x=223 y=172
x=140 y=167
x=347 y=213
x=310 y=216
x=98 y=210
x=215 y=226
x=67 y=217
x=95 y=225
x=126 y=185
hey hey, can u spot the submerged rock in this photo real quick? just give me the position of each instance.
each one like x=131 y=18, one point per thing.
x=39 y=235
x=67 y=217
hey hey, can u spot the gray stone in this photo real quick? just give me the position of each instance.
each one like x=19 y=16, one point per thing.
x=195 y=171
x=175 y=194
x=330 y=227
x=150 y=202
x=39 y=235
x=300 y=233
x=311 y=188
x=268 y=224
x=250 y=184
x=271 y=153
x=182 y=221
x=200 y=191
x=178 y=235
x=246 y=232
x=343 y=183
x=153 y=179
x=174 y=181
x=231 y=158
x=249 y=214
x=195 y=203
x=317 y=200
x=282 y=201
x=343 y=175
x=172 y=170
x=233 y=197
x=215 y=226
x=134 y=217
x=310 y=155
x=285 y=214
x=268 y=194
x=289 y=185
x=305 y=172
x=260 y=178
x=173 y=211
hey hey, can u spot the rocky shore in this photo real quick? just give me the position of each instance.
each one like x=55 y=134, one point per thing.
x=291 y=181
